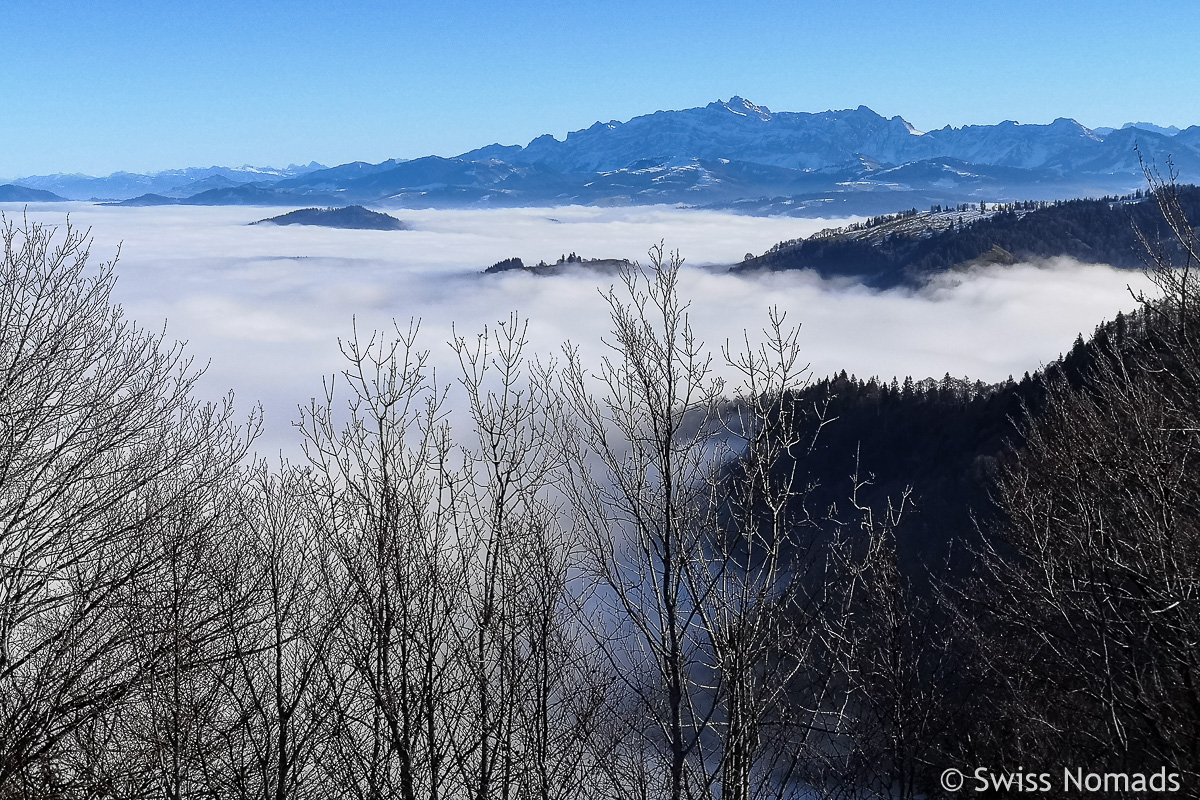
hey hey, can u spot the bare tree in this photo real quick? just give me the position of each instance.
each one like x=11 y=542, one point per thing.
x=456 y=670
x=773 y=648
x=384 y=494
x=534 y=709
x=760 y=541
x=884 y=648
x=281 y=639
x=165 y=738
x=99 y=442
x=642 y=513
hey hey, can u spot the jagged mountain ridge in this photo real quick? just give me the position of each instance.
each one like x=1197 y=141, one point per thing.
x=738 y=129
x=733 y=155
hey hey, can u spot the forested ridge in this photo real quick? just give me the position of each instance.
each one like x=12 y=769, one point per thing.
x=908 y=249
x=625 y=579
x=945 y=438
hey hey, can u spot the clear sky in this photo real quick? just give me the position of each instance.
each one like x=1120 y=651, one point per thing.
x=96 y=87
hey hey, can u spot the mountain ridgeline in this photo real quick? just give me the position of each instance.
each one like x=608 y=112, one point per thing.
x=910 y=247
x=22 y=194
x=731 y=155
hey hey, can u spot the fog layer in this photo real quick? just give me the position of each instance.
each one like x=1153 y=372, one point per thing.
x=267 y=304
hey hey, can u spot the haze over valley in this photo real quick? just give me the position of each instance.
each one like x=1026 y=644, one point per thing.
x=719 y=182
x=267 y=304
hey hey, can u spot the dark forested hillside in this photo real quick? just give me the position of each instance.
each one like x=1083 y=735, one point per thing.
x=945 y=438
x=1062 y=627
x=908 y=248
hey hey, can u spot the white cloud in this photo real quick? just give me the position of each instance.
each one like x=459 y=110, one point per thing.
x=267 y=304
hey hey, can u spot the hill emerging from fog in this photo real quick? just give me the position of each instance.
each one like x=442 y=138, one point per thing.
x=910 y=247
x=351 y=217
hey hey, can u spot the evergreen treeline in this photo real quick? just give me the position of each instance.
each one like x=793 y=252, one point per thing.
x=623 y=580
x=1094 y=231
x=947 y=439
x=505 y=265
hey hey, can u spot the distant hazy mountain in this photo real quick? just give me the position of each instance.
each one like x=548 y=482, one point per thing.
x=10 y=193
x=174 y=182
x=728 y=154
x=1170 y=130
x=242 y=194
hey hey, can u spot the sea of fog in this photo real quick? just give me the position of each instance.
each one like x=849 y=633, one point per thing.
x=266 y=305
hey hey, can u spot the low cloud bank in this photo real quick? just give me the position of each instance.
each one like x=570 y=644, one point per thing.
x=268 y=304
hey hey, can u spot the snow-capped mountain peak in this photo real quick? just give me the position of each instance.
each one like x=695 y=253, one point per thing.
x=742 y=107
x=907 y=125
x=726 y=149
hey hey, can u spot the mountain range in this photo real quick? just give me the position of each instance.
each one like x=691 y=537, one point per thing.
x=730 y=155
x=173 y=184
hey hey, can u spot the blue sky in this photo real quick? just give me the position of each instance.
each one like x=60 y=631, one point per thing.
x=142 y=86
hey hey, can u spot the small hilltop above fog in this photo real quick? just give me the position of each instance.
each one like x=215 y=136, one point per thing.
x=353 y=217
x=566 y=263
